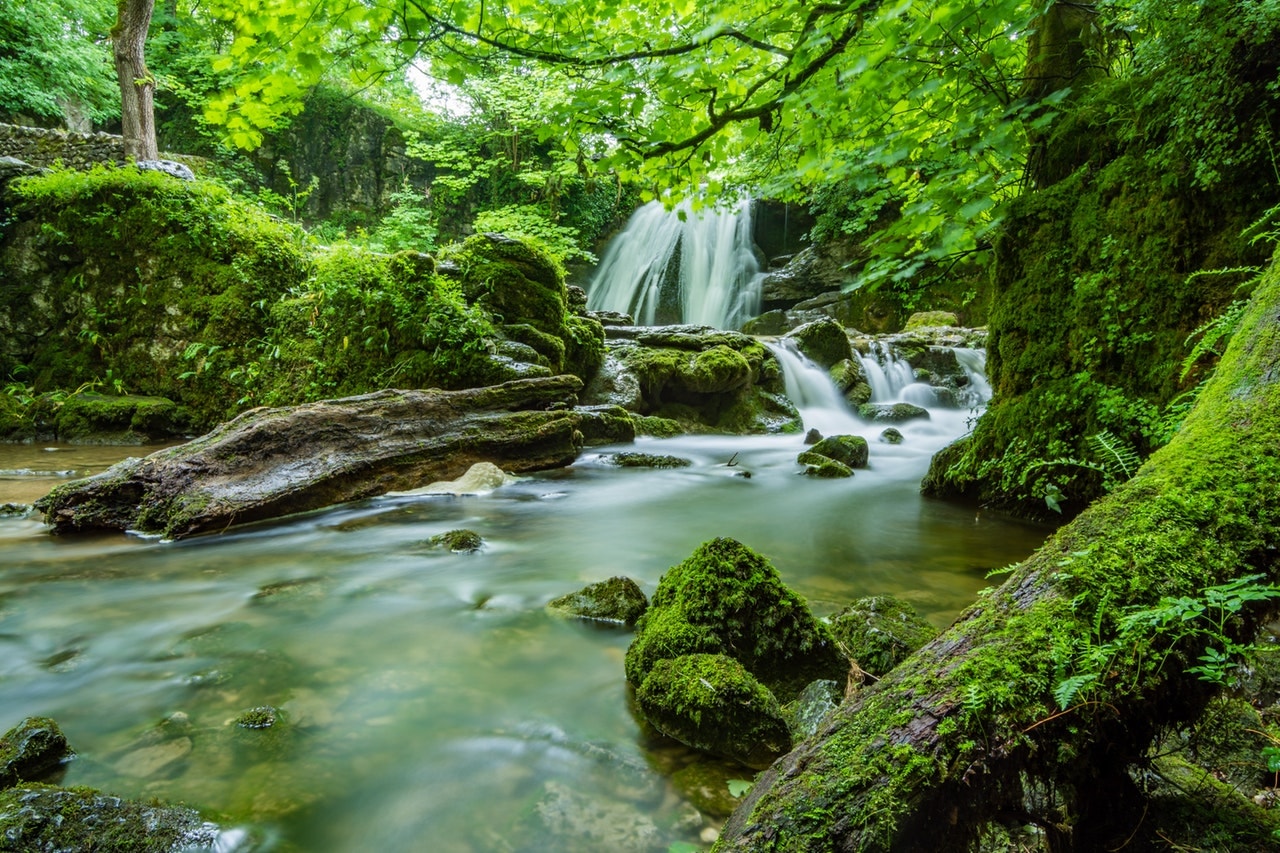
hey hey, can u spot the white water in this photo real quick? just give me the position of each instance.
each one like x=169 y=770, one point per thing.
x=717 y=282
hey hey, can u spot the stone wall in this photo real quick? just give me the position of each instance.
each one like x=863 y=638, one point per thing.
x=45 y=147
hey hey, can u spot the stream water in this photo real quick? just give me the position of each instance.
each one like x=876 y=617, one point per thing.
x=432 y=702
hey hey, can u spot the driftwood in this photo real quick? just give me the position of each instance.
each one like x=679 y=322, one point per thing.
x=268 y=463
x=970 y=731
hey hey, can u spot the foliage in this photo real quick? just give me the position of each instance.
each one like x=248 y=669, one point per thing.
x=530 y=222
x=410 y=224
x=55 y=60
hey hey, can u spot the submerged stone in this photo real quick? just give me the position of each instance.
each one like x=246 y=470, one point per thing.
x=262 y=717
x=880 y=632
x=54 y=819
x=711 y=702
x=647 y=460
x=705 y=783
x=461 y=541
x=32 y=750
x=618 y=600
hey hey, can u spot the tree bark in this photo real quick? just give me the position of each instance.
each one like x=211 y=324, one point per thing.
x=967 y=731
x=272 y=462
x=137 y=87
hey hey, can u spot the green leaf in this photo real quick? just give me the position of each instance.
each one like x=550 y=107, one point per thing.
x=738 y=787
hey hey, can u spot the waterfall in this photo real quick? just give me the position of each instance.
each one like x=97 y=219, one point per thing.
x=811 y=391
x=681 y=266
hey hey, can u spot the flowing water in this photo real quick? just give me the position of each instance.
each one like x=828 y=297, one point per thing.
x=432 y=703
x=681 y=266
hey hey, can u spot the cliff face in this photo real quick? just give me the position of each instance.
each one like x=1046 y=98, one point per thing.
x=1102 y=279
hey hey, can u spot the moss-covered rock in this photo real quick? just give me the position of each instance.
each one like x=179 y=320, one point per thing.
x=604 y=425
x=618 y=600
x=31 y=751
x=512 y=279
x=879 y=632
x=657 y=427
x=38 y=818
x=647 y=460
x=460 y=541
x=930 y=319
x=824 y=341
x=127 y=419
x=892 y=413
x=848 y=449
x=727 y=599
x=892 y=435
x=711 y=702
x=823 y=467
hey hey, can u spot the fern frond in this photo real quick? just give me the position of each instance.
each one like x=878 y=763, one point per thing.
x=1216 y=331
x=1069 y=687
x=1119 y=458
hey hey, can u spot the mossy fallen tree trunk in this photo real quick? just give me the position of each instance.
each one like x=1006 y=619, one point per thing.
x=268 y=463
x=971 y=731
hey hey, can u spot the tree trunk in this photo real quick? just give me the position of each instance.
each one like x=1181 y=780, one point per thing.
x=272 y=462
x=967 y=732
x=137 y=87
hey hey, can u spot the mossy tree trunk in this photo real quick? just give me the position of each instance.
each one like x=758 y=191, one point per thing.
x=967 y=732
x=137 y=86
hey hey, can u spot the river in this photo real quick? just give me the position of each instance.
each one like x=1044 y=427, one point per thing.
x=431 y=701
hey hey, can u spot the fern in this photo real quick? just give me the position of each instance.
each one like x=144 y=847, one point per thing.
x=1068 y=688
x=1120 y=461
x=1212 y=333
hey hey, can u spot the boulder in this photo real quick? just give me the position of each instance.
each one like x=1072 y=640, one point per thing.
x=647 y=460
x=892 y=413
x=31 y=751
x=817 y=465
x=931 y=319
x=727 y=599
x=823 y=341
x=618 y=600
x=54 y=819
x=805 y=713
x=712 y=703
x=89 y=417
x=460 y=541
x=879 y=632
x=891 y=435
x=850 y=378
x=849 y=449
x=272 y=462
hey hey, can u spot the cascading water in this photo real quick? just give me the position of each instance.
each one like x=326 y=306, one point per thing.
x=681 y=266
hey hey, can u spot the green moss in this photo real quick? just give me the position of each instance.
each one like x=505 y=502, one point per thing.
x=656 y=426
x=848 y=449
x=262 y=717
x=823 y=341
x=817 y=465
x=43 y=818
x=31 y=750
x=727 y=599
x=584 y=347
x=513 y=280
x=647 y=460
x=880 y=632
x=931 y=319
x=617 y=600
x=124 y=419
x=712 y=703
x=461 y=541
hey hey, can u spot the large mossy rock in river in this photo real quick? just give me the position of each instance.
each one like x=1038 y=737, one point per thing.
x=727 y=599
x=39 y=818
x=272 y=462
x=711 y=703
x=823 y=341
x=616 y=601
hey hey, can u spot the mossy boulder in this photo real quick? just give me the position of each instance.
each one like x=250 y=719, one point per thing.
x=823 y=341
x=931 y=319
x=514 y=280
x=879 y=632
x=657 y=427
x=823 y=467
x=892 y=413
x=727 y=599
x=850 y=378
x=647 y=460
x=460 y=541
x=39 y=818
x=712 y=703
x=618 y=600
x=848 y=449
x=892 y=435
x=126 y=419
x=32 y=750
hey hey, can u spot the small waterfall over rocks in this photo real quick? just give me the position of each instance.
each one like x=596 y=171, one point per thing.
x=681 y=266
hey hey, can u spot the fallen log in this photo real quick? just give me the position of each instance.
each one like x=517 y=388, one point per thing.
x=1036 y=705
x=272 y=462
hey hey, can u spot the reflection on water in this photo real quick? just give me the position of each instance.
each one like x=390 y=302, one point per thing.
x=432 y=703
